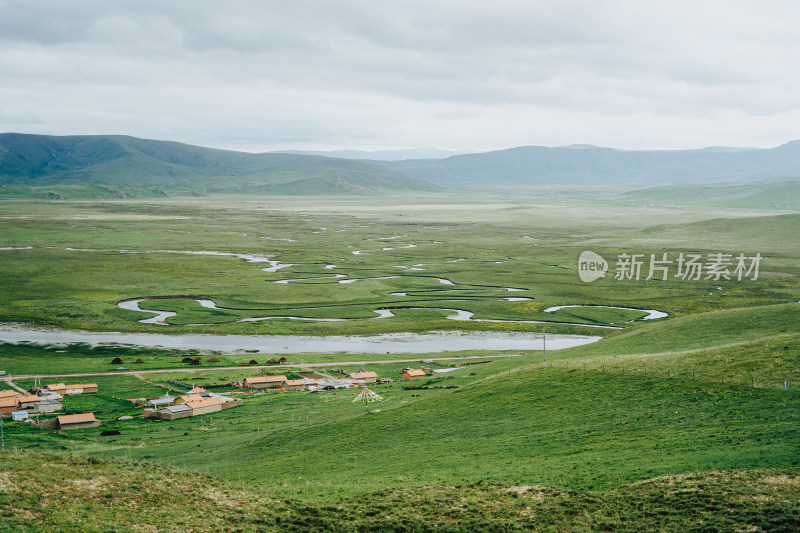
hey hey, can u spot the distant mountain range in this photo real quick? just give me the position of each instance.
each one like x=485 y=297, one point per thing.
x=165 y=167
x=382 y=155
x=592 y=165
x=175 y=168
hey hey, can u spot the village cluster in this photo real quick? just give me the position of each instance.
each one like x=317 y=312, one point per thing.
x=199 y=401
x=47 y=399
x=43 y=400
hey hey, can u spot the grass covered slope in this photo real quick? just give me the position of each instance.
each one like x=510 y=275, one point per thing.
x=759 y=195
x=84 y=191
x=174 y=167
x=700 y=331
x=577 y=422
x=558 y=426
x=47 y=492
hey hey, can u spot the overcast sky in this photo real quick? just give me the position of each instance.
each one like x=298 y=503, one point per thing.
x=265 y=75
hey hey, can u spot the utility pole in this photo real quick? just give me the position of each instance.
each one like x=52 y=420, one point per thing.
x=544 y=345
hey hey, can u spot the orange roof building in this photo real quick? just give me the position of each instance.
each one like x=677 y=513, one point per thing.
x=368 y=377
x=296 y=384
x=205 y=402
x=8 y=405
x=204 y=405
x=62 y=388
x=82 y=420
x=27 y=400
x=265 y=382
x=414 y=373
x=186 y=398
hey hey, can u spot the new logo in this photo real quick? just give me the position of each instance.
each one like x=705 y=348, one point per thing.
x=591 y=266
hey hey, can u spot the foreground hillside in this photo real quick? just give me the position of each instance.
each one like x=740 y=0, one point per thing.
x=49 y=492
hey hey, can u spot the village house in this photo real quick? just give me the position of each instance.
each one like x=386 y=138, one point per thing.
x=175 y=412
x=204 y=405
x=44 y=394
x=8 y=405
x=186 y=398
x=329 y=384
x=228 y=402
x=164 y=401
x=59 y=388
x=265 y=382
x=47 y=406
x=31 y=403
x=8 y=393
x=414 y=373
x=78 y=388
x=27 y=401
x=297 y=384
x=79 y=421
x=194 y=405
x=365 y=377
x=16 y=416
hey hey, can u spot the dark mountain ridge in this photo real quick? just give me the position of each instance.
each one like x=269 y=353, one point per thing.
x=172 y=167
x=43 y=160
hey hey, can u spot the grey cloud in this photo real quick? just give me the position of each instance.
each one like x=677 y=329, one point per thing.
x=320 y=72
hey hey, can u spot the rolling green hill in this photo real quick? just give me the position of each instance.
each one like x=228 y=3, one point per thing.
x=82 y=191
x=170 y=167
x=592 y=165
x=759 y=195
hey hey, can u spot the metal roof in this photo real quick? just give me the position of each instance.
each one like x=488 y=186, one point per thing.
x=177 y=408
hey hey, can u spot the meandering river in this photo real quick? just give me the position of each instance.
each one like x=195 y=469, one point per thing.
x=390 y=343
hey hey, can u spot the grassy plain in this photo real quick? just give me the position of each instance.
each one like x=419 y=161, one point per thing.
x=701 y=391
x=481 y=247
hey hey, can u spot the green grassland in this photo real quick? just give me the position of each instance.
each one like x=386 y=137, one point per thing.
x=698 y=396
x=562 y=424
x=50 y=285
x=732 y=326
x=575 y=422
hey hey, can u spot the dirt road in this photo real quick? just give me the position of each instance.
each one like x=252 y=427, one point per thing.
x=196 y=370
